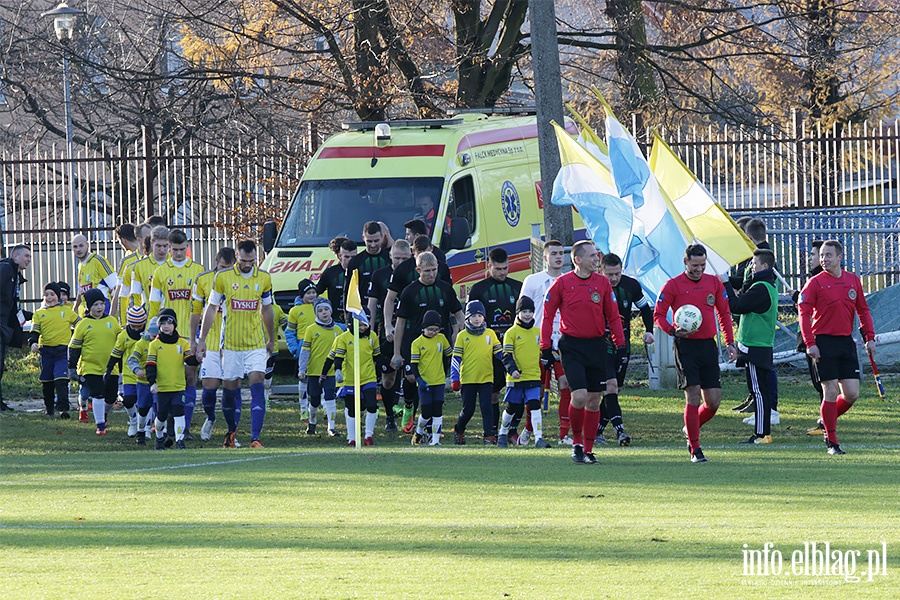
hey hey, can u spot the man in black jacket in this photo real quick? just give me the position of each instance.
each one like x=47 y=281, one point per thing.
x=11 y=316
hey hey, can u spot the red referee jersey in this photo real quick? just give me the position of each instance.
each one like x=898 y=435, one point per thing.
x=587 y=307
x=828 y=304
x=708 y=295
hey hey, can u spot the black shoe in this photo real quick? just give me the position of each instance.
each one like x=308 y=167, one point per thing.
x=160 y=443
x=188 y=436
x=65 y=415
x=311 y=429
x=578 y=454
x=168 y=441
x=750 y=440
x=390 y=425
x=179 y=445
x=834 y=449
x=589 y=458
x=697 y=456
x=5 y=406
x=141 y=438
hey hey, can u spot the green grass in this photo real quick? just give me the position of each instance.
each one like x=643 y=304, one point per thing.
x=82 y=517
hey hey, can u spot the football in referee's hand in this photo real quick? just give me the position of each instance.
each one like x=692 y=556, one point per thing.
x=688 y=318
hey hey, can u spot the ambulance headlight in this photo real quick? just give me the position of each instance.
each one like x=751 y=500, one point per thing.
x=464 y=159
x=382 y=135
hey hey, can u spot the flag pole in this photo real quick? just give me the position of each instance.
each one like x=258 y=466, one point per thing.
x=356 y=375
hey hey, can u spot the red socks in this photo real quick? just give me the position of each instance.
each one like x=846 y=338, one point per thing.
x=591 y=422
x=576 y=416
x=829 y=412
x=692 y=423
x=565 y=399
x=842 y=405
x=706 y=413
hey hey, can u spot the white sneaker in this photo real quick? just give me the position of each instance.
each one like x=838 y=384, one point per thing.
x=566 y=441
x=237 y=444
x=207 y=430
x=524 y=438
x=774 y=418
x=132 y=427
x=751 y=420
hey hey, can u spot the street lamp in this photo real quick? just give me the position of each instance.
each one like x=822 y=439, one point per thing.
x=64 y=25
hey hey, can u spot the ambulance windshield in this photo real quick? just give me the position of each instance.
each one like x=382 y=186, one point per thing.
x=325 y=209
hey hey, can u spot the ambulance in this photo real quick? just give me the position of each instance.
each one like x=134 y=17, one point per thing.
x=474 y=178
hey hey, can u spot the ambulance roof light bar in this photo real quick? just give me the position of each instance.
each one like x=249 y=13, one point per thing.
x=417 y=123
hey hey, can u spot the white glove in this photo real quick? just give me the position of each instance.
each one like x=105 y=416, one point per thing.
x=154 y=389
x=339 y=376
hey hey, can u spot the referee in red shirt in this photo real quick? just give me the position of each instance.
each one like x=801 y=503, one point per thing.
x=828 y=304
x=696 y=354
x=587 y=308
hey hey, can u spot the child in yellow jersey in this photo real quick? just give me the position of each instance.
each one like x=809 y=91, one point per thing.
x=342 y=356
x=318 y=339
x=472 y=372
x=522 y=359
x=301 y=316
x=50 y=334
x=166 y=357
x=92 y=343
x=137 y=364
x=135 y=321
x=429 y=358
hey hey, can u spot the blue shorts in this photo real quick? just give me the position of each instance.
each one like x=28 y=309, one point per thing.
x=144 y=397
x=54 y=363
x=434 y=393
x=129 y=389
x=347 y=390
x=522 y=395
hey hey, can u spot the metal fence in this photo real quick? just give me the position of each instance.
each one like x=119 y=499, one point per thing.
x=219 y=193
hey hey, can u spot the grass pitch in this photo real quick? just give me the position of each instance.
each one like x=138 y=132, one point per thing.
x=88 y=517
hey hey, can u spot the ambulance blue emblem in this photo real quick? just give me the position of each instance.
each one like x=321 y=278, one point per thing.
x=509 y=199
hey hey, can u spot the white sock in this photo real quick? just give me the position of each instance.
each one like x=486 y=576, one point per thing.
x=142 y=422
x=160 y=429
x=371 y=421
x=330 y=410
x=437 y=423
x=99 y=410
x=536 y=423
x=132 y=413
x=505 y=420
x=420 y=426
x=179 y=428
x=304 y=401
x=351 y=426
x=313 y=411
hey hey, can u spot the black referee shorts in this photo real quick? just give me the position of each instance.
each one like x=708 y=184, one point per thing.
x=585 y=363
x=838 y=358
x=697 y=363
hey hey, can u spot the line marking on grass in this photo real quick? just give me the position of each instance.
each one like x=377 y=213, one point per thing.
x=211 y=463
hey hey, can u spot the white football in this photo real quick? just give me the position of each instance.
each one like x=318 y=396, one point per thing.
x=688 y=317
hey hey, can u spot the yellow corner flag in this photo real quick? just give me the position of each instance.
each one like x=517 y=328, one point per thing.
x=354 y=307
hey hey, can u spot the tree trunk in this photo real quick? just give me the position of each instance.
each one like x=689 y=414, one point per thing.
x=635 y=73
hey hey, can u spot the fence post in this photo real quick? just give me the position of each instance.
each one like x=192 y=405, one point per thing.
x=148 y=168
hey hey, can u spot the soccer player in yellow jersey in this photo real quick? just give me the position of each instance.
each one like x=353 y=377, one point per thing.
x=522 y=360
x=342 y=356
x=143 y=269
x=429 y=358
x=301 y=316
x=137 y=364
x=171 y=287
x=318 y=339
x=94 y=272
x=89 y=350
x=166 y=357
x=51 y=331
x=128 y=241
x=135 y=322
x=211 y=367
x=472 y=371
x=245 y=292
